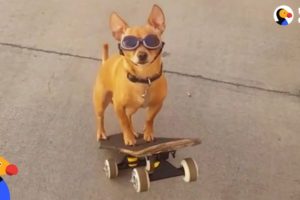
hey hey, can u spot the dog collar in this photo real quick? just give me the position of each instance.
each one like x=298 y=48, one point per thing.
x=147 y=80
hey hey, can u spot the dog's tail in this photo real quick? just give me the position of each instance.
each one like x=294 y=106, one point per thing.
x=104 y=52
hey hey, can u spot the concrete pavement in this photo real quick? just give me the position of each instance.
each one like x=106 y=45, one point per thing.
x=239 y=66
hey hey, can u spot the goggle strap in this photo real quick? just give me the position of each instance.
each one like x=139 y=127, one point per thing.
x=120 y=49
x=162 y=46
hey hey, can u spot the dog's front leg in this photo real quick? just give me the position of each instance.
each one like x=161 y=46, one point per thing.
x=129 y=138
x=131 y=126
x=148 y=129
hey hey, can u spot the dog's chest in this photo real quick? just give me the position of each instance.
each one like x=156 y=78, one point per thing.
x=143 y=95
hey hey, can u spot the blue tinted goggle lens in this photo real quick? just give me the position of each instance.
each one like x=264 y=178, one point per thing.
x=131 y=42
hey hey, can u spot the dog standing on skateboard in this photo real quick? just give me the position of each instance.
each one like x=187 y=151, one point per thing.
x=133 y=79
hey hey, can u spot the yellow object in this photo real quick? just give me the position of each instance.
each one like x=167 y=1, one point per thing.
x=283 y=13
x=156 y=164
x=132 y=159
x=132 y=165
x=6 y=168
x=3 y=164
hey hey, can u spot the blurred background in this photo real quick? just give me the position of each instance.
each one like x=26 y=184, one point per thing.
x=233 y=77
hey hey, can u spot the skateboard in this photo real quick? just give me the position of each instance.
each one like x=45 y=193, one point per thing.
x=149 y=160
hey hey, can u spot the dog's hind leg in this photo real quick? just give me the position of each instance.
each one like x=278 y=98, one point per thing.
x=101 y=100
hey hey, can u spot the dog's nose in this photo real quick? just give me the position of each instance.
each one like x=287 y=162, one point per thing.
x=142 y=56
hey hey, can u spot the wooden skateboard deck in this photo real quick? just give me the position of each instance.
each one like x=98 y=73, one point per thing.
x=143 y=148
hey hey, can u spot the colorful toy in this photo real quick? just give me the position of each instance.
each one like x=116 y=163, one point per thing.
x=6 y=169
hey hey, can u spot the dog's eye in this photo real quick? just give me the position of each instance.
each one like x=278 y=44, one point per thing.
x=152 y=41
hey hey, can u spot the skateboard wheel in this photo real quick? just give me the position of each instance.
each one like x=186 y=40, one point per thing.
x=190 y=170
x=111 y=168
x=140 y=179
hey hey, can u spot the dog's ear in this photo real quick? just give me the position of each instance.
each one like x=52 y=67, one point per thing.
x=117 y=26
x=157 y=18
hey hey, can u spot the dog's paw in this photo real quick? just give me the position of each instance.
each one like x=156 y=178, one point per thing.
x=101 y=136
x=130 y=141
x=148 y=137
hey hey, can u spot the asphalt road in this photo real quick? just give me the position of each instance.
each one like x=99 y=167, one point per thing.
x=241 y=69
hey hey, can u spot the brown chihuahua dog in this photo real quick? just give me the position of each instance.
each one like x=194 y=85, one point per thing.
x=133 y=79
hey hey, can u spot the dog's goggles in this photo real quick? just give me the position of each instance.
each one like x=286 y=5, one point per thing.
x=131 y=42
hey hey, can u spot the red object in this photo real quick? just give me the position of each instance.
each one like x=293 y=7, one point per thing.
x=289 y=15
x=11 y=170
